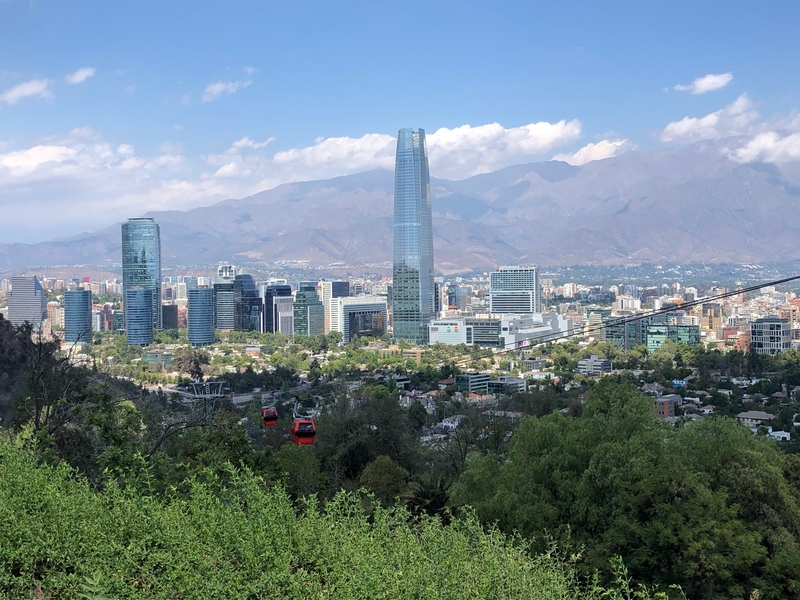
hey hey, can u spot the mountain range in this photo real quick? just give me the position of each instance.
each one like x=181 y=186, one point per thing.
x=674 y=204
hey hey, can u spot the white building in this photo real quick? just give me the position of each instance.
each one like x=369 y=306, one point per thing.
x=515 y=290
x=358 y=316
x=449 y=331
x=770 y=335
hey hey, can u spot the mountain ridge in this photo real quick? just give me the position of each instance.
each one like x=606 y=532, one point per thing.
x=685 y=204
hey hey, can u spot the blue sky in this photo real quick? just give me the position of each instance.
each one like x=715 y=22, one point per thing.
x=180 y=104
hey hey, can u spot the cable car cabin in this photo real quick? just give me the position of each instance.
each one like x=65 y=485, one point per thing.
x=269 y=416
x=303 y=431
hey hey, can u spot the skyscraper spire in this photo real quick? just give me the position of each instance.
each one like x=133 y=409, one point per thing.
x=412 y=304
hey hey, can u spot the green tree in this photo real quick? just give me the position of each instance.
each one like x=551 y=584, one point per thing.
x=384 y=478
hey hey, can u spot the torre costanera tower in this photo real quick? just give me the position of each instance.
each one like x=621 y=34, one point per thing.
x=412 y=273
x=141 y=279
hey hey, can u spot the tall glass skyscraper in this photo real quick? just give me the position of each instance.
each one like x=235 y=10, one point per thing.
x=78 y=316
x=201 y=316
x=309 y=314
x=138 y=316
x=412 y=273
x=141 y=270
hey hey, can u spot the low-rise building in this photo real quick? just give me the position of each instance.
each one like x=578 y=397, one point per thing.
x=754 y=418
x=507 y=383
x=665 y=407
x=472 y=382
x=594 y=365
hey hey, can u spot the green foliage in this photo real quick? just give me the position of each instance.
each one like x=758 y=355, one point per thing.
x=64 y=540
x=385 y=479
x=707 y=506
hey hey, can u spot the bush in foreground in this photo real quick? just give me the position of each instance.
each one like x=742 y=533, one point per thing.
x=60 y=538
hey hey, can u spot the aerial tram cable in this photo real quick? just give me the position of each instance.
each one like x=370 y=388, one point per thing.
x=638 y=317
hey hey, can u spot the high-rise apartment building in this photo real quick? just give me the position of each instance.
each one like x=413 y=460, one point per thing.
x=55 y=314
x=711 y=316
x=328 y=290
x=515 y=290
x=141 y=270
x=200 y=314
x=309 y=314
x=78 y=323
x=412 y=272
x=27 y=301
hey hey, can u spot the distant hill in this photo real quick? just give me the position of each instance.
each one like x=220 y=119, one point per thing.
x=676 y=204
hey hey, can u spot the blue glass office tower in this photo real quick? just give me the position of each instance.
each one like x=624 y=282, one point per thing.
x=139 y=316
x=141 y=269
x=200 y=313
x=412 y=273
x=77 y=316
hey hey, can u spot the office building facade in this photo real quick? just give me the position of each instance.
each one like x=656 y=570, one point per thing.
x=309 y=314
x=515 y=290
x=27 y=302
x=283 y=307
x=327 y=291
x=362 y=316
x=247 y=304
x=78 y=316
x=138 y=304
x=770 y=335
x=141 y=264
x=169 y=316
x=412 y=256
x=224 y=306
x=200 y=316
x=268 y=293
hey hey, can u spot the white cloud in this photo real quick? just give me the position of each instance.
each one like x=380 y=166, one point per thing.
x=466 y=150
x=769 y=147
x=708 y=83
x=339 y=155
x=250 y=70
x=735 y=119
x=80 y=75
x=246 y=142
x=80 y=181
x=596 y=151
x=24 y=162
x=39 y=88
x=214 y=90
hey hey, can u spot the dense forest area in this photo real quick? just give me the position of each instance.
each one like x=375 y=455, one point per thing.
x=112 y=491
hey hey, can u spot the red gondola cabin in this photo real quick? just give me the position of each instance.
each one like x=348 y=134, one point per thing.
x=303 y=431
x=269 y=416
